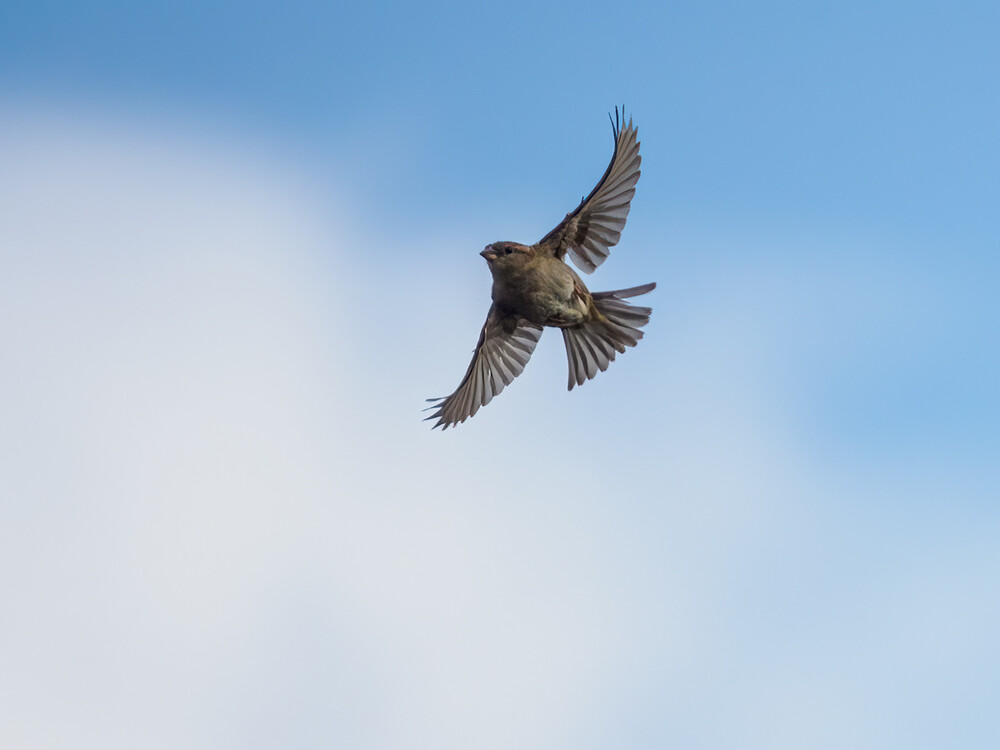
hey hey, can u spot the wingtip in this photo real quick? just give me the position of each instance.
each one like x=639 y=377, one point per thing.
x=618 y=121
x=440 y=422
x=437 y=414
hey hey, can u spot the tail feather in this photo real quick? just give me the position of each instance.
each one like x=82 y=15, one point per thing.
x=591 y=346
x=634 y=291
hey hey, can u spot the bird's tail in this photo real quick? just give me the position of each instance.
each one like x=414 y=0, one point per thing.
x=591 y=346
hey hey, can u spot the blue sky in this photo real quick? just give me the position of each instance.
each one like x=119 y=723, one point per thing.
x=240 y=247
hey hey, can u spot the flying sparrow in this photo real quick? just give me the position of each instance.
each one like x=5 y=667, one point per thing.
x=533 y=287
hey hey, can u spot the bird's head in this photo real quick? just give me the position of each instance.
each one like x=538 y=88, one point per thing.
x=504 y=254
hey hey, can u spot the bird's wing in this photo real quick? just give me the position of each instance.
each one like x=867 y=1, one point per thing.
x=597 y=223
x=500 y=357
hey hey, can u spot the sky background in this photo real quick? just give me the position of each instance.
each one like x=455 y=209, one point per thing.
x=238 y=249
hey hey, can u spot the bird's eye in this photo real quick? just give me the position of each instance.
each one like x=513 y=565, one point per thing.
x=507 y=251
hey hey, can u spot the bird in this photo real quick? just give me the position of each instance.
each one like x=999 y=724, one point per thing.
x=534 y=288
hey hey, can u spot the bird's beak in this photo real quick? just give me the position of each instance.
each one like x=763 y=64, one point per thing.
x=489 y=253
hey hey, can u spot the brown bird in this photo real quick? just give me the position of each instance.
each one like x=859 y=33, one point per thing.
x=533 y=287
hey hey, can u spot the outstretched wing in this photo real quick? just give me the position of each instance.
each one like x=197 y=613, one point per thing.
x=504 y=347
x=596 y=225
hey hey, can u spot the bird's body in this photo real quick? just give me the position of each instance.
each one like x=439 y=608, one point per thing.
x=533 y=288
x=537 y=287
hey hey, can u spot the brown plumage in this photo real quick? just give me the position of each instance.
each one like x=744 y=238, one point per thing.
x=533 y=287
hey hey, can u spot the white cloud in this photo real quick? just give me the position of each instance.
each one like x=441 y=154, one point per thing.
x=223 y=523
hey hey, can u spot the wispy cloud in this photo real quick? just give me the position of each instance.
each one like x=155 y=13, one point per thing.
x=224 y=523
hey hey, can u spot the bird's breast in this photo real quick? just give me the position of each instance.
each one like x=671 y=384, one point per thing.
x=541 y=293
